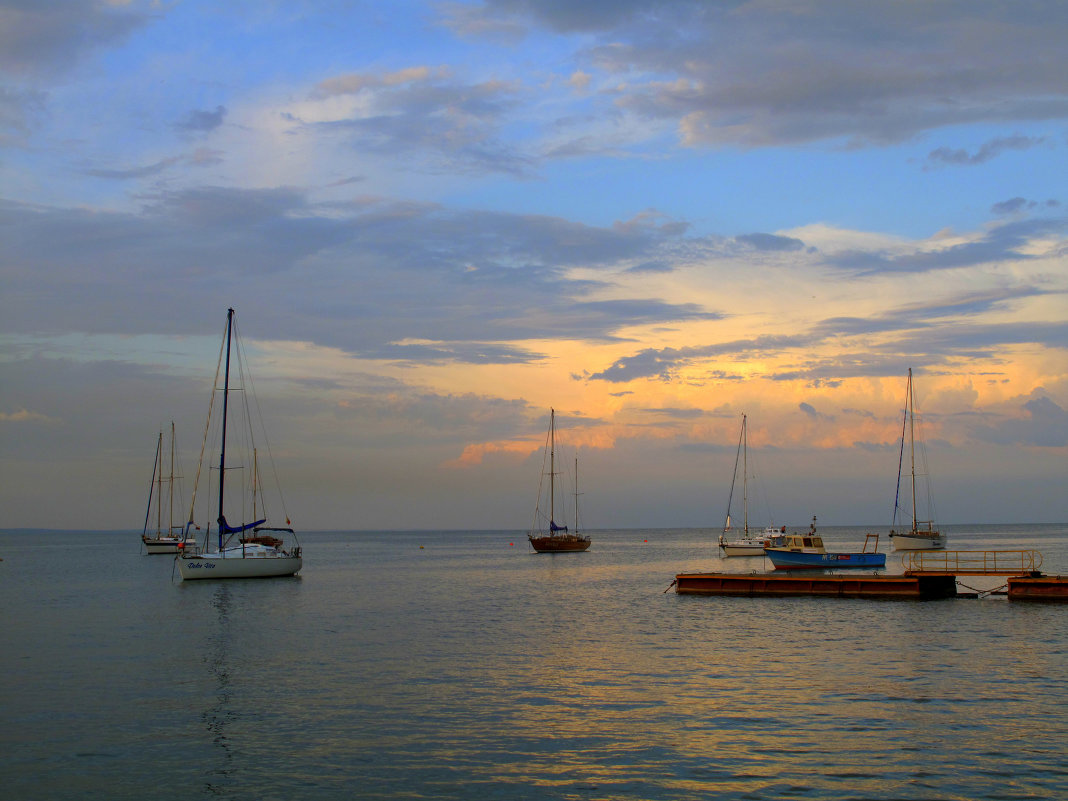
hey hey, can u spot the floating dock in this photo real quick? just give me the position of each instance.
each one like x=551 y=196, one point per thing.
x=928 y=576
x=837 y=586
x=1053 y=589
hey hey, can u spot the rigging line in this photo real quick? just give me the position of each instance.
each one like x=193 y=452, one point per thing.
x=900 y=459
x=204 y=442
x=734 y=477
x=762 y=485
x=541 y=481
x=152 y=483
x=263 y=426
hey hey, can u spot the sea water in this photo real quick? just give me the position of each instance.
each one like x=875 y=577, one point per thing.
x=455 y=665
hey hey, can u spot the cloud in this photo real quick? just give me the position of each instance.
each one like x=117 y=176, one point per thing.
x=774 y=73
x=771 y=242
x=452 y=125
x=1010 y=241
x=201 y=157
x=1045 y=426
x=202 y=121
x=664 y=363
x=396 y=281
x=19 y=111
x=1018 y=205
x=47 y=38
x=944 y=156
x=25 y=416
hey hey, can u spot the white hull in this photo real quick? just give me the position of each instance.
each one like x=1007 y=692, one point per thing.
x=743 y=549
x=165 y=545
x=233 y=565
x=922 y=542
x=747 y=545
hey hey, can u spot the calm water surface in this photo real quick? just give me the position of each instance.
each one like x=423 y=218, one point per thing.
x=461 y=666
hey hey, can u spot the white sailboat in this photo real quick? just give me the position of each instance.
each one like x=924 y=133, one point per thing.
x=168 y=535
x=244 y=550
x=749 y=543
x=922 y=536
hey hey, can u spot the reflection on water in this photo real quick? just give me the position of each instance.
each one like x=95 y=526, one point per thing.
x=219 y=716
x=468 y=669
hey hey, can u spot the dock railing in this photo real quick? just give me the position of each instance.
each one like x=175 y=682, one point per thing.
x=974 y=563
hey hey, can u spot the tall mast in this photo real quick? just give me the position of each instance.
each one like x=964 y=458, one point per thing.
x=745 y=476
x=912 y=449
x=159 y=485
x=255 y=481
x=222 y=450
x=552 y=468
x=576 y=496
x=170 y=504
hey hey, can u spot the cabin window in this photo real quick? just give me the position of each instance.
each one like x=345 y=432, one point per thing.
x=808 y=542
x=817 y=542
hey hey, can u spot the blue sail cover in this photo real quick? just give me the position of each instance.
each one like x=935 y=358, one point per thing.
x=554 y=527
x=226 y=528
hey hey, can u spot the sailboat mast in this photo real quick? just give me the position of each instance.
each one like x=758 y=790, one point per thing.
x=912 y=449
x=159 y=485
x=170 y=503
x=222 y=449
x=745 y=476
x=255 y=481
x=576 y=496
x=552 y=468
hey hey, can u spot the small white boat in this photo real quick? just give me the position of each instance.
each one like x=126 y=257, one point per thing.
x=242 y=561
x=167 y=536
x=922 y=536
x=749 y=543
x=259 y=550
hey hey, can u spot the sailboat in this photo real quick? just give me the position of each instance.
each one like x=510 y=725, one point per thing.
x=167 y=536
x=748 y=544
x=258 y=551
x=554 y=538
x=922 y=536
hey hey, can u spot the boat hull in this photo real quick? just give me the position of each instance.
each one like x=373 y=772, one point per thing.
x=164 y=544
x=566 y=544
x=917 y=542
x=743 y=549
x=210 y=566
x=792 y=560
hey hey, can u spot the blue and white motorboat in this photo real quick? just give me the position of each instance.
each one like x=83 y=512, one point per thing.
x=806 y=551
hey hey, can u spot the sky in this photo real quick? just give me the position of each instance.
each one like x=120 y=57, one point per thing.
x=438 y=220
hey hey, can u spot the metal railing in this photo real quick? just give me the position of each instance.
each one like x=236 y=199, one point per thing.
x=976 y=563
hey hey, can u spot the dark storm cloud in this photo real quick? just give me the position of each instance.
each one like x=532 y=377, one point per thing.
x=780 y=72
